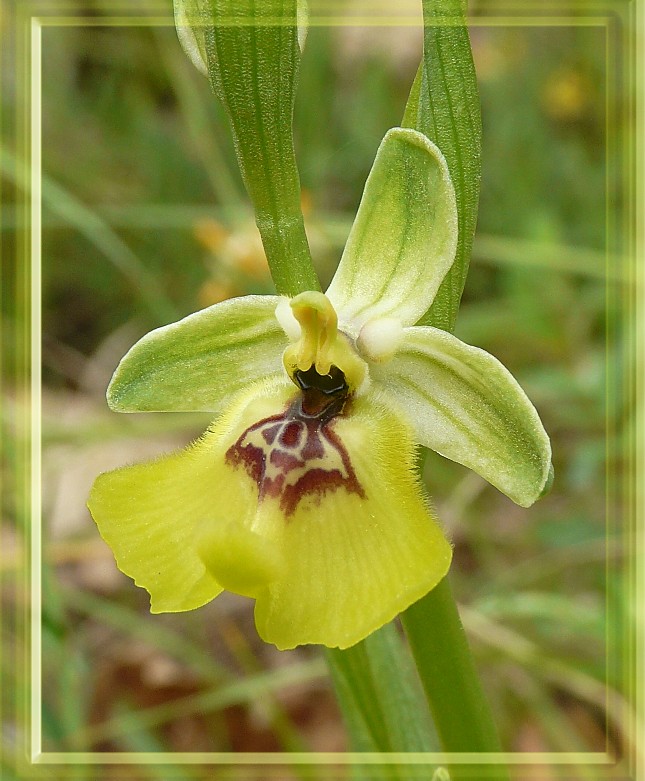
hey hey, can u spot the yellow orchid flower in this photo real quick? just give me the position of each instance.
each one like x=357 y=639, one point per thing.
x=302 y=494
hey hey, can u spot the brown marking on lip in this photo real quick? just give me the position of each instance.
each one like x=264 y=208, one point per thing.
x=290 y=434
x=313 y=447
x=285 y=461
x=315 y=482
x=271 y=433
x=297 y=454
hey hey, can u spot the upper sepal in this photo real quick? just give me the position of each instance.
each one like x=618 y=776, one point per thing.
x=404 y=237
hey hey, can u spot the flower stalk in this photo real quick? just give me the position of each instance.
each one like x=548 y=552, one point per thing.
x=460 y=711
x=250 y=51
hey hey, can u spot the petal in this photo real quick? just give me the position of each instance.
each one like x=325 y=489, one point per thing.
x=359 y=554
x=162 y=517
x=331 y=549
x=200 y=362
x=148 y=514
x=404 y=238
x=467 y=406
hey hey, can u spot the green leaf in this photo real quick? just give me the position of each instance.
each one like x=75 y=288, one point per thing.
x=412 y=106
x=404 y=236
x=445 y=107
x=467 y=406
x=200 y=362
x=252 y=55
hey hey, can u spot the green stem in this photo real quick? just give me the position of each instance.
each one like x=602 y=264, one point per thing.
x=438 y=642
x=380 y=696
x=287 y=251
x=253 y=58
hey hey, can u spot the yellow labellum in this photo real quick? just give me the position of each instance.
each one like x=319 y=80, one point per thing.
x=319 y=517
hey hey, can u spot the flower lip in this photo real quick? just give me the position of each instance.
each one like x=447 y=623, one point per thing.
x=296 y=454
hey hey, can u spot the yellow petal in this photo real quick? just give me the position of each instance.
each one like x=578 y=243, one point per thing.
x=309 y=504
x=160 y=517
x=240 y=559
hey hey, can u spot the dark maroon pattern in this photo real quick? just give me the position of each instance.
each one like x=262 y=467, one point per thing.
x=297 y=454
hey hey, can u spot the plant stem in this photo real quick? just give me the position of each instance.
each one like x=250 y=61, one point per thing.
x=253 y=68
x=380 y=696
x=287 y=251
x=438 y=642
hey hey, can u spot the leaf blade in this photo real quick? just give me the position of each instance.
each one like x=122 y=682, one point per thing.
x=445 y=107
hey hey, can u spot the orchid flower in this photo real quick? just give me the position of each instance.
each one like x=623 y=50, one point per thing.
x=303 y=494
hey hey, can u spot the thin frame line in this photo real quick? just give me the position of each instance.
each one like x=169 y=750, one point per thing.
x=382 y=21
x=36 y=384
x=328 y=758
x=38 y=757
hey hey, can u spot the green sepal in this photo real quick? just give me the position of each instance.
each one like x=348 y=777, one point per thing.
x=403 y=239
x=200 y=362
x=465 y=405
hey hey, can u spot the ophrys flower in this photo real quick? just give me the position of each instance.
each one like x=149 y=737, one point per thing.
x=303 y=493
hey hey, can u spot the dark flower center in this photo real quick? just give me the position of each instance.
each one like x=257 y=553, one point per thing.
x=323 y=395
x=330 y=384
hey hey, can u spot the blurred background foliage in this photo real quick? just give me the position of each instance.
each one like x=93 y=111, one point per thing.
x=145 y=220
